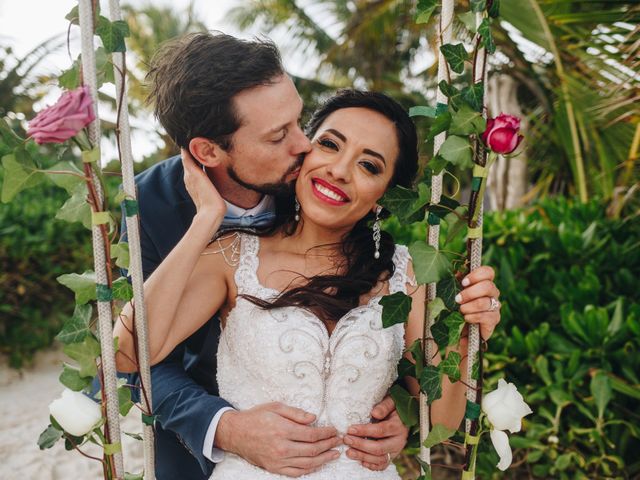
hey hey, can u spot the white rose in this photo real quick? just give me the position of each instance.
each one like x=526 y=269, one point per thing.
x=76 y=413
x=500 y=442
x=505 y=407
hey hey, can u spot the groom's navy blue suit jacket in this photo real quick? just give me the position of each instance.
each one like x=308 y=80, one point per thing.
x=184 y=384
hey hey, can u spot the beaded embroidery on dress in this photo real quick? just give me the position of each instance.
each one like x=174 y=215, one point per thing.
x=286 y=355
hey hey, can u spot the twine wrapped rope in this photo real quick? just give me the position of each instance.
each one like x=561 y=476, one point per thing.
x=105 y=320
x=133 y=237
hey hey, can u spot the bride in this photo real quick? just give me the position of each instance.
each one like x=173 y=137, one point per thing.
x=299 y=305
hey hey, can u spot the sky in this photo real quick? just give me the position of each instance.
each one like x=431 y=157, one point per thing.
x=26 y=23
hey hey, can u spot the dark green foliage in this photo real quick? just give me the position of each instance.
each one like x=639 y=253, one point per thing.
x=35 y=249
x=569 y=337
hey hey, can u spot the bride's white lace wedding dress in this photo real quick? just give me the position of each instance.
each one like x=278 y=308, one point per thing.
x=286 y=355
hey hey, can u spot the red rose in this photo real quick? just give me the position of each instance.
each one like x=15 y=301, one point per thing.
x=502 y=133
x=61 y=121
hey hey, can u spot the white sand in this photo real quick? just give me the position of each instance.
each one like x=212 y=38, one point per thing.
x=24 y=414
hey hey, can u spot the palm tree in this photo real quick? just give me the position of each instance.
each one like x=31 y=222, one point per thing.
x=573 y=62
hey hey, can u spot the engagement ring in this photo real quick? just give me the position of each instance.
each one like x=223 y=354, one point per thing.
x=494 y=305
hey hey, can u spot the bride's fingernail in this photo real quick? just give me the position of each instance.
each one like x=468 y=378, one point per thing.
x=459 y=298
x=465 y=282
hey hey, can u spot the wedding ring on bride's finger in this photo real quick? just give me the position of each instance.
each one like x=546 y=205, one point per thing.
x=388 y=458
x=494 y=304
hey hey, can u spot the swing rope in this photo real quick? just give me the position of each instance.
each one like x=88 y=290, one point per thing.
x=105 y=320
x=445 y=32
x=133 y=238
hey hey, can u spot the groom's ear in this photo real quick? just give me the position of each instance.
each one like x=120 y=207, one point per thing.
x=207 y=152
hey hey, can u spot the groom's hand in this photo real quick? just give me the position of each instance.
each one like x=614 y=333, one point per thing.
x=277 y=438
x=375 y=445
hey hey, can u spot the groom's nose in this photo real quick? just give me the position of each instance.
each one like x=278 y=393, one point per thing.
x=301 y=143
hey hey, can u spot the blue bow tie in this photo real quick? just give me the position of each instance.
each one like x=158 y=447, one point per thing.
x=252 y=221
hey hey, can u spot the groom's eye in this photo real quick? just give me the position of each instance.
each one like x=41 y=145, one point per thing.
x=282 y=137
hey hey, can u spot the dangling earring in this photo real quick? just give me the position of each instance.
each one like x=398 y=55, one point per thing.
x=376 y=233
x=297 y=208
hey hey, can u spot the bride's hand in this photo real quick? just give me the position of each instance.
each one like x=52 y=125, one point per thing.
x=479 y=300
x=204 y=194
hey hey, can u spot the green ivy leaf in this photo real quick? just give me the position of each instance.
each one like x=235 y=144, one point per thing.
x=8 y=136
x=439 y=125
x=121 y=289
x=134 y=476
x=69 y=181
x=148 y=419
x=104 y=67
x=601 y=391
x=494 y=9
x=457 y=150
x=76 y=328
x=135 y=436
x=437 y=164
x=406 y=368
x=20 y=173
x=398 y=200
x=49 y=437
x=467 y=121
x=70 y=378
x=455 y=55
x=447 y=289
x=435 y=306
x=472 y=410
x=112 y=34
x=474 y=95
x=418 y=356
x=455 y=323
x=112 y=448
x=457 y=222
x=84 y=286
x=85 y=354
x=424 y=10
x=74 y=15
x=422 y=111
x=430 y=265
x=70 y=78
x=76 y=208
x=438 y=434
x=440 y=333
x=395 y=308
x=484 y=30
x=475 y=366
x=406 y=405
x=431 y=383
x=450 y=366
x=478 y=5
x=124 y=398
x=120 y=251
x=469 y=20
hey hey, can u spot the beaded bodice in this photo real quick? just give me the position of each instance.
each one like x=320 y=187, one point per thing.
x=287 y=355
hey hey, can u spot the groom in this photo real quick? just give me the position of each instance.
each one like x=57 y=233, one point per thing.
x=228 y=104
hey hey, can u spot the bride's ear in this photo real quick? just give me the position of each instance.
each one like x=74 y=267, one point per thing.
x=206 y=152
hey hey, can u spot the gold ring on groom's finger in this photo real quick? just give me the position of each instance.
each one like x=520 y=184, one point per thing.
x=493 y=305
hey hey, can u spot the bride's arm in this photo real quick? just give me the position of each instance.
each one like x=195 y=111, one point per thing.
x=180 y=296
x=186 y=288
x=449 y=409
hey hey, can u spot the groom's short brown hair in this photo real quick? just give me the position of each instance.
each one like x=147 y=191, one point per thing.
x=193 y=79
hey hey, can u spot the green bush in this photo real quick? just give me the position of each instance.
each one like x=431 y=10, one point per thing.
x=569 y=338
x=36 y=248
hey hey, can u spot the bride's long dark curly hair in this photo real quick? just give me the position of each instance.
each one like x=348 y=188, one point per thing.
x=330 y=297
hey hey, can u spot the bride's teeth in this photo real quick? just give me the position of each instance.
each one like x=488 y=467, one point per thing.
x=329 y=193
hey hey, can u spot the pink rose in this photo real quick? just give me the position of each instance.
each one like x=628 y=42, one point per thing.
x=502 y=133
x=61 y=121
